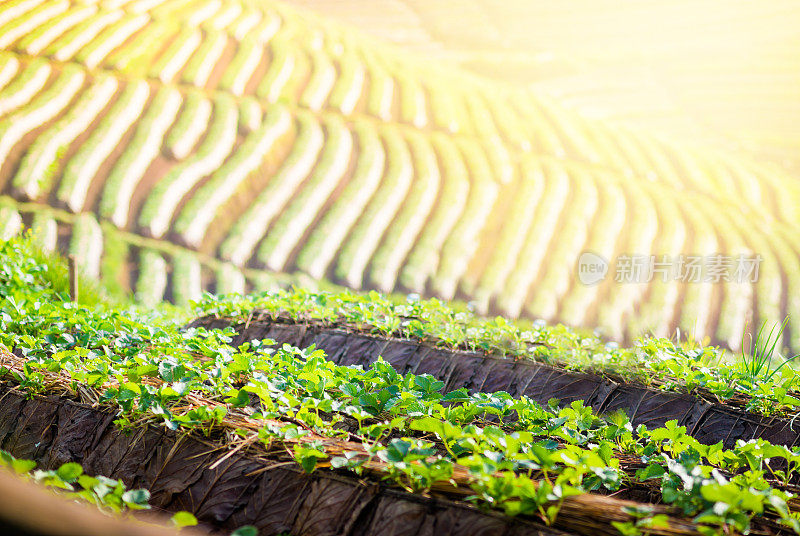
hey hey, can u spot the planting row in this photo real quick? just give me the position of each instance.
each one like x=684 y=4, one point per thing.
x=417 y=329
x=708 y=422
x=287 y=440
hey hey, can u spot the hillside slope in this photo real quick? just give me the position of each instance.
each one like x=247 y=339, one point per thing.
x=724 y=73
x=257 y=140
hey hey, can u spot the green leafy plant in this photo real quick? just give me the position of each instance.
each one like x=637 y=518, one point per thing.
x=756 y=363
x=183 y=519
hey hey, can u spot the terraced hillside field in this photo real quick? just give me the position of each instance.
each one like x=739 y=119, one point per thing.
x=182 y=145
